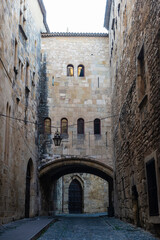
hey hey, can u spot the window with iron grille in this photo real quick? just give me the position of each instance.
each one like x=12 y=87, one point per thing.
x=80 y=126
x=152 y=188
x=97 y=126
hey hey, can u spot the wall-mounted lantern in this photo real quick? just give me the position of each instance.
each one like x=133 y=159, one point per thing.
x=57 y=138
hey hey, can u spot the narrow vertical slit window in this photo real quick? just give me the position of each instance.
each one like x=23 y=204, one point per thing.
x=27 y=73
x=141 y=81
x=7 y=133
x=22 y=72
x=53 y=81
x=106 y=139
x=15 y=56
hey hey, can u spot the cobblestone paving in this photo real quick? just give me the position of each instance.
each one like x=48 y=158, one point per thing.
x=93 y=228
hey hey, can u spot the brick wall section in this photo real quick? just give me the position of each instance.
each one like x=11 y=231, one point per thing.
x=137 y=125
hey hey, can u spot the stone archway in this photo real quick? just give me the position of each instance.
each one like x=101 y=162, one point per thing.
x=54 y=169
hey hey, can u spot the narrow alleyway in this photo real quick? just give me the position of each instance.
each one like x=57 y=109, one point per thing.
x=83 y=227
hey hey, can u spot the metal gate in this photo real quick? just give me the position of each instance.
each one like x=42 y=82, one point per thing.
x=75 y=197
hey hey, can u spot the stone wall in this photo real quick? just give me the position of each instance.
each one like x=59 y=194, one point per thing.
x=20 y=42
x=76 y=97
x=72 y=98
x=134 y=68
x=94 y=191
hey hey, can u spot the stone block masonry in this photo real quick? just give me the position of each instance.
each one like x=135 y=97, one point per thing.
x=134 y=69
x=74 y=97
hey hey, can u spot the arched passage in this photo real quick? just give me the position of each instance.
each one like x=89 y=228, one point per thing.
x=53 y=170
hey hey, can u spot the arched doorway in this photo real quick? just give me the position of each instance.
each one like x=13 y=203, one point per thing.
x=75 y=203
x=27 y=193
x=53 y=170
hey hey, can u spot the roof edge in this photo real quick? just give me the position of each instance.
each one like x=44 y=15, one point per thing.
x=107 y=14
x=43 y=10
x=73 y=34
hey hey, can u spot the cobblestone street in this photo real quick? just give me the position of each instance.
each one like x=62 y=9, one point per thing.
x=93 y=228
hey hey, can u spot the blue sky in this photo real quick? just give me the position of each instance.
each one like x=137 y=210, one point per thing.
x=75 y=16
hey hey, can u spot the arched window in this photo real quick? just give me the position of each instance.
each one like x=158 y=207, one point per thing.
x=70 y=70
x=47 y=126
x=97 y=126
x=80 y=71
x=64 y=126
x=7 y=133
x=80 y=126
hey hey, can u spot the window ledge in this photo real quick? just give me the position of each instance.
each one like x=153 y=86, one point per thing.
x=64 y=136
x=80 y=135
x=154 y=219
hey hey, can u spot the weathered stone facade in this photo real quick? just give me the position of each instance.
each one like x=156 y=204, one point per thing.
x=72 y=98
x=21 y=23
x=91 y=88
x=134 y=35
x=76 y=97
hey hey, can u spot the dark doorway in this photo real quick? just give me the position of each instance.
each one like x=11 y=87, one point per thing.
x=75 y=197
x=27 y=195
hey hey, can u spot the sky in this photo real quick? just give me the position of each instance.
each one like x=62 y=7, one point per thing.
x=75 y=16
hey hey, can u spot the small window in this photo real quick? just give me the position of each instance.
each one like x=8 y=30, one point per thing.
x=47 y=126
x=15 y=53
x=70 y=70
x=97 y=126
x=64 y=126
x=80 y=126
x=141 y=75
x=80 y=71
x=152 y=188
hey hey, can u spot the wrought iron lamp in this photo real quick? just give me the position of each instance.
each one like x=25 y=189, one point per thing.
x=57 y=138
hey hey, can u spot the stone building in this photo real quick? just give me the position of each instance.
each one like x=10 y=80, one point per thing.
x=102 y=93
x=21 y=23
x=134 y=48
x=33 y=92
x=75 y=99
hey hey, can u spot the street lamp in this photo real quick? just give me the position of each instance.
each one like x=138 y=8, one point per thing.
x=57 y=138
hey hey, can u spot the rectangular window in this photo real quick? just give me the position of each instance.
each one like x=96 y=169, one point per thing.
x=152 y=188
